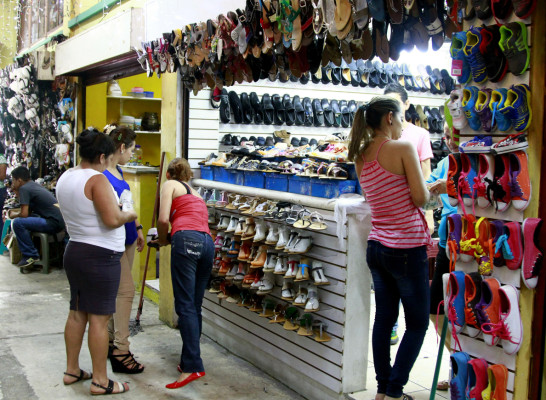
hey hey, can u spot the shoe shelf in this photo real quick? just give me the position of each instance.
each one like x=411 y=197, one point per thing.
x=314 y=369
x=148 y=132
x=134 y=98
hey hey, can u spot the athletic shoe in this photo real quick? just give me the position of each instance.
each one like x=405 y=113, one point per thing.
x=453 y=238
x=483 y=111
x=468 y=238
x=458 y=42
x=455 y=294
x=517 y=107
x=484 y=247
x=516 y=141
x=484 y=177
x=472 y=295
x=394 y=337
x=499 y=190
x=520 y=184
x=498 y=240
x=470 y=96
x=498 y=97
x=488 y=308
x=466 y=179
x=459 y=375
x=480 y=144
x=456 y=109
x=473 y=55
x=532 y=253
x=483 y=9
x=498 y=377
x=453 y=173
x=509 y=328
x=495 y=62
x=26 y=262
x=513 y=230
x=524 y=8
x=513 y=43
x=477 y=378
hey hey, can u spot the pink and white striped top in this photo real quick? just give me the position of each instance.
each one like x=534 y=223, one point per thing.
x=396 y=221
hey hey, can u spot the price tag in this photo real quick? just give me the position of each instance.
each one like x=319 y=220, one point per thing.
x=456 y=67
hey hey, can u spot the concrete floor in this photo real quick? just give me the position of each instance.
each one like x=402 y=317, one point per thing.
x=33 y=310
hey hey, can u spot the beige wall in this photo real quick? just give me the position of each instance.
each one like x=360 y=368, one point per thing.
x=8 y=37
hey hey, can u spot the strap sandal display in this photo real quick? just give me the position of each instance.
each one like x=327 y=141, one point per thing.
x=268 y=307
x=294 y=213
x=312 y=303
x=335 y=172
x=291 y=316
x=287 y=292
x=317 y=221
x=306 y=325
x=244 y=299
x=123 y=387
x=279 y=314
x=256 y=303
x=303 y=220
x=301 y=297
x=286 y=167
x=317 y=271
x=320 y=328
x=303 y=270
x=262 y=208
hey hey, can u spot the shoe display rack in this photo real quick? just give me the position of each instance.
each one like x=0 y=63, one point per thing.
x=317 y=365
x=491 y=336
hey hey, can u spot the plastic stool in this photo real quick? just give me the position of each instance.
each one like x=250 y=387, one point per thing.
x=45 y=240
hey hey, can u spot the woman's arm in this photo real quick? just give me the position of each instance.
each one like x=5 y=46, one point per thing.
x=3 y=169
x=414 y=174
x=100 y=192
x=164 y=210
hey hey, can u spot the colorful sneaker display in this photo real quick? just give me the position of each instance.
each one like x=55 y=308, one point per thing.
x=520 y=184
x=466 y=179
x=516 y=141
x=484 y=113
x=495 y=62
x=483 y=251
x=499 y=190
x=511 y=330
x=468 y=238
x=524 y=8
x=459 y=375
x=498 y=377
x=472 y=295
x=477 y=378
x=456 y=109
x=453 y=238
x=532 y=253
x=513 y=230
x=488 y=308
x=455 y=294
x=479 y=144
x=498 y=97
x=453 y=173
x=470 y=96
x=517 y=107
x=458 y=43
x=497 y=232
x=513 y=43
x=486 y=166
x=473 y=55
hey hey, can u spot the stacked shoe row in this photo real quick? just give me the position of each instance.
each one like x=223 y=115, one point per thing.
x=500 y=109
x=280 y=110
x=486 y=180
x=483 y=307
x=439 y=151
x=474 y=378
x=429 y=118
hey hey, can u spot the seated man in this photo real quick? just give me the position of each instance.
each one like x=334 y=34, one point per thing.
x=39 y=213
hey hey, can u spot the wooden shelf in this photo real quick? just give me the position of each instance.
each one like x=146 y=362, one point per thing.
x=134 y=98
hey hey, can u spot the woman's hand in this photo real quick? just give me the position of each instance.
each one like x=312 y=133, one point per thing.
x=140 y=240
x=438 y=187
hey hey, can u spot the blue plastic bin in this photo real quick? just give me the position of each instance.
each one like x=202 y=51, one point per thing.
x=299 y=185
x=206 y=172
x=276 y=182
x=220 y=174
x=331 y=188
x=254 y=179
x=236 y=177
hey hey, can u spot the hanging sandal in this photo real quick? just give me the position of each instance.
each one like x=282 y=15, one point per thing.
x=82 y=377
x=110 y=388
x=125 y=363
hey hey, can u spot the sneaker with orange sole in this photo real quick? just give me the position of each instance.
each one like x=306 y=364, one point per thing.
x=468 y=238
x=520 y=185
x=532 y=253
x=453 y=239
x=488 y=309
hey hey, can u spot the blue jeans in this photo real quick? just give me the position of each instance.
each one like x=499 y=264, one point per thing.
x=23 y=227
x=192 y=254
x=398 y=274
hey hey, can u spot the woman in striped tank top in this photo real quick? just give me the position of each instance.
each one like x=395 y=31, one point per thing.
x=394 y=187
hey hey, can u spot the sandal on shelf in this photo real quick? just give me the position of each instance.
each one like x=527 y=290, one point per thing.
x=279 y=312
x=125 y=363
x=335 y=172
x=317 y=221
x=286 y=167
x=303 y=220
x=319 y=328
x=294 y=213
x=306 y=325
x=84 y=375
x=291 y=316
x=123 y=387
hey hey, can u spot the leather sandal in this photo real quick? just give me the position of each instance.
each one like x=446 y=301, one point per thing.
x=125 y=363
x=123 y=387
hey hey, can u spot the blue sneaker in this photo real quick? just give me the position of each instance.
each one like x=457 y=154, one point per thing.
x=458 y=42
x=498 y=97
x=483 y=111
x=455 y=295
x=480 y=144
x=517 y=107
x=459 y=375
x=470 y=97
x=473 y=55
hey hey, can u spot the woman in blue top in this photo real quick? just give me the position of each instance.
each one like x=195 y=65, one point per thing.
x=120 y=356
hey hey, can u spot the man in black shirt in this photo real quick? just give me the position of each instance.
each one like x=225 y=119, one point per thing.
x=40 y=212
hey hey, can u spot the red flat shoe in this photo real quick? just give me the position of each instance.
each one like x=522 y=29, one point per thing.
x=193 y=376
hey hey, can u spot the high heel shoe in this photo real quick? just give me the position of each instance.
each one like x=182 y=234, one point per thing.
x=193 y=376
x=125 y=363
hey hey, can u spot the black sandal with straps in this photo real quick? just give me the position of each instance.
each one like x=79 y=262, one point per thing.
x=125 y=363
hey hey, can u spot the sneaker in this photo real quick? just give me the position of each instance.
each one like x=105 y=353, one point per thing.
x=459 y=375
x=488 y=309
x=513 y=43
x=470 y=95
x=483 y=9
x=453 y=173
x=472 y=295
x=513 y=260
x=455 y=293
x=26 y=262
x=532 y=253
x=524 y=8
x=517 y=107
x=495 y=62
x=472 y=52
x=458 y=43
x=498 y=377
x=516 y=141
x=480 y=144
x=486 y=167
x=483 y=250
x=499 y=190
x=456 y=109
x=466 y=179
x=394 y=337
x=468 y=238
x=510 y=329
x=453 y=238
x=484 y=113
x=498 y=239
x=498 y=97
x=519 y=180
x=477 y=378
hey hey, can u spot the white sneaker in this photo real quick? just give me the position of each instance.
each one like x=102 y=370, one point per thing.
x=302 y=245
x=312 y=300
x=318 y=274
x=260 y=231
x=281 y=265
x=268 y=282
x=272 y=236
x=232 y=224
x=511 y=319
x=284 y=237
x=270 y=262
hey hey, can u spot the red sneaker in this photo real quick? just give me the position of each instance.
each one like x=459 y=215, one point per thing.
x=453 y=172
x=477 y=378
x=524 y=8
x=532 y=254
x=468 y=238
x=520 y=184
x=513 y=229
x=486 y=164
